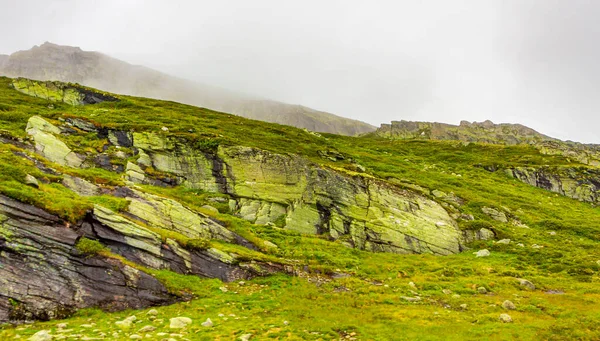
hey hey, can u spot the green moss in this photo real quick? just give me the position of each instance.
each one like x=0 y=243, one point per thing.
x=197 y=244
x=90 y=247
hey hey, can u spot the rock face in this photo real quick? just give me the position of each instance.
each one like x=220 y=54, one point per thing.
x=48 y=145
x=482 y=132
x=60 y=92
x=270 y=188
x=582 y=184
x=43 y=276
x=488 y=132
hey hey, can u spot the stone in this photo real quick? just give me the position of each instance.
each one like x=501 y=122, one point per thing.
x=503 y=241
x=80 y=186
x=42 y=335
x=508 y=305
x=135 y=173
x=505 y=318
x=48 y=145
x=463 y=306
x=482 y=290
x=180 y=322
x=411 y=299
x=126 y=323
x=211 y=209
x=31 y=181
x=482 y=253
x=245 y=337
x=135 y=337
x=147 y=329
x=526 y=284
x=467 y=217
x=447 y=291
x=286 y=323
x=207 y=323
x=495 y=214
x=412 y=284
x=152 y=312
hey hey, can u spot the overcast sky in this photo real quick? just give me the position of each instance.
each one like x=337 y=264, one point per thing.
x=535 y=62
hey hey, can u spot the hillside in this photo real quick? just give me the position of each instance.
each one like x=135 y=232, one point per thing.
x=488 y=132
x=71 y=64
x=110 y=203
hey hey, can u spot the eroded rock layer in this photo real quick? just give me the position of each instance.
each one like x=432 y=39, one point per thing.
x=289 y=191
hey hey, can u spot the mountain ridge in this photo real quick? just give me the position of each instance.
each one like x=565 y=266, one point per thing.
x=491 y=133
x=72 y=64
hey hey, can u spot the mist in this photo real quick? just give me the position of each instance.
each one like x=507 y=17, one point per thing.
x=532 y=62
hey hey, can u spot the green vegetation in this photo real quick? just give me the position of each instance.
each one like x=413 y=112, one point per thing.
x=90 y=247
x=553 y=239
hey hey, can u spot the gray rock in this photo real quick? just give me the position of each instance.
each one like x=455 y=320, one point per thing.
x=411 y=299
x=207 y=323
x=508 y=305
x=147 y=329
x=495 y=214
x=80 y=186
x=526 y=284
x=180 y=322
x=482 y=290
x=505 y=318
x=42 y=335
x=31 y=181
x=468 y=217
x=245 y=337
x=65 y=280
x=503 y=241
x=482 y=253
x=210 y=209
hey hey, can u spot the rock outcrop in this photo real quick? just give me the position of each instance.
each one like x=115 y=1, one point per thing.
x=50 y=146
x=488 y=132
x=44 y=276
x=481 y=132
x=364 y=212
x=60 y=92
x=582 y=184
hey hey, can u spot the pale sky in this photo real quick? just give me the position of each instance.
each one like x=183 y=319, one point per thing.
x=534 y=62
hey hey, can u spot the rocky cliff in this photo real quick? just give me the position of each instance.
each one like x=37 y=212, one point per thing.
x=70 y=64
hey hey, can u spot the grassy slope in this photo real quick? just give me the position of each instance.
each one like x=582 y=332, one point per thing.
x=368 y=303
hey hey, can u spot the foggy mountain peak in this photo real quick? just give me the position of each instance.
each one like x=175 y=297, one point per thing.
x=51 y=61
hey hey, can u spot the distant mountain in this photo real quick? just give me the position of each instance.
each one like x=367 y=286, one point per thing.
x=489 y=132
x=71 y=64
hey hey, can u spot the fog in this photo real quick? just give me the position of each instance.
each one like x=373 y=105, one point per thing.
x=533 y=62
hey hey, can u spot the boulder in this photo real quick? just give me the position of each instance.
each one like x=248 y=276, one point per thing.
x=526 y=284
x=48 y=145
x=505 y=318
x=180 y=322
x=31 y=181
x=508 y=305
x=482 y=253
